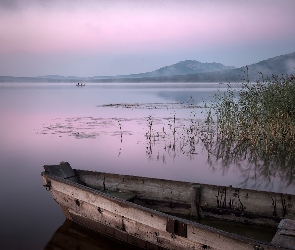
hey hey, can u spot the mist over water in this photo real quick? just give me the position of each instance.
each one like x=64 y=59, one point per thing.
x=49 y=123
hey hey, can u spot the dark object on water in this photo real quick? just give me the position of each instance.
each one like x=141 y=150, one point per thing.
x=80 y=85
x=137 y=210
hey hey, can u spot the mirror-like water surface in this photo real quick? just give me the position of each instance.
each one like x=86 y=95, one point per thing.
x=49 y=123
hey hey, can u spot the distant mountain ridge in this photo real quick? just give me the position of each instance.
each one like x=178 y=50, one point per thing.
x=279 y=65
x=284 y=64
x=181 y=68
x=185 y=71
x=57 y=77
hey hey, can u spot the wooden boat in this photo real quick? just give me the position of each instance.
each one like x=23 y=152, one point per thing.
x=141 y=211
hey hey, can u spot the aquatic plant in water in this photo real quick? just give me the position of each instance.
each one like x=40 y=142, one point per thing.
x=255 y=124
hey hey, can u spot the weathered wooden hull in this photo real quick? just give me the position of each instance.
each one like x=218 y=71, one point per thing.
x=89 y=198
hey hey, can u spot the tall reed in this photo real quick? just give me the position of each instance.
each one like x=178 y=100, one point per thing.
x=261 y=115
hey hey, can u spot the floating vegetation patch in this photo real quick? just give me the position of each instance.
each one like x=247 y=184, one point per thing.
x=172 y=105
x=86 y=127
x=164 y=136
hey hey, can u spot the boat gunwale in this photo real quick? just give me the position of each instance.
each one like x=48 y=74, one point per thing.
x=183 y=182
x=162 y=214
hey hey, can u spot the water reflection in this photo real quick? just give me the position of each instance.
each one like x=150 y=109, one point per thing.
x=177 y=136
x=186 y=96
x=71 y=236
x=166 y=136
x=37 y=129
x=254 y=164
x=174 y=137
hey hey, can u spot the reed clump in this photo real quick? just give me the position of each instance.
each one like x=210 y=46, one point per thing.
x=260 y=117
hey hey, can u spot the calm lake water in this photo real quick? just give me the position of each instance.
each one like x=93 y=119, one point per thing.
x=49 y=123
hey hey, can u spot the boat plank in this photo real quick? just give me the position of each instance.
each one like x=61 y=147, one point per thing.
x=287 y=224
x=269 y=204
x=285 y=236
x=124 y=195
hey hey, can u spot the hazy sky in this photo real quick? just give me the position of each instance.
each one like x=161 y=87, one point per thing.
x=112 y=37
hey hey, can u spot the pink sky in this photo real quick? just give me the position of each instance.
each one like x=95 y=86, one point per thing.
x=122 y=37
